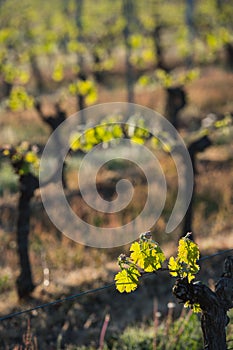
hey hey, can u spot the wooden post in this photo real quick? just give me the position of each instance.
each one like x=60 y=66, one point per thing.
x=214 y=305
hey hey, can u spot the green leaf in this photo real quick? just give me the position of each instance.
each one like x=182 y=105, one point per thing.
x=58 y=73
x=117 y=131
x=173 y=266
x=164 y=78
x=127 y=279
x=185 y=264
x=19 y=99
x=90 y=137
x=75 y=142
x=138 y=140
x=31 y=157
x=195 y=307
x=91 y=97
x=144 y=80
x=147 y=255
x=137 y=256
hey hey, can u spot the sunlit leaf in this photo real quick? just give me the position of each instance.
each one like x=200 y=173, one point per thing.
x=31 y=157
x=185 y=264
x=19 y=99
x=91 y=97
x=147 y=255
x=75 y=142
x=127 y=280
x=173 y=266
x=58 y=72
x=195 y=307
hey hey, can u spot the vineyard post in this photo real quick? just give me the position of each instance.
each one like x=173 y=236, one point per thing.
x=214 y=305
x=146 y=256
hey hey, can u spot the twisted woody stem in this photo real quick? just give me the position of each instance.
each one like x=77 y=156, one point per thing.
x=214 y=305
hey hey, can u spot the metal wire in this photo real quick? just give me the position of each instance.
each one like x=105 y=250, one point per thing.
x=58 y=301
x=90 y=291
x=216 y=254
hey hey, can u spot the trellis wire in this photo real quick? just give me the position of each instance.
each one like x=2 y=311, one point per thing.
x=90 y=291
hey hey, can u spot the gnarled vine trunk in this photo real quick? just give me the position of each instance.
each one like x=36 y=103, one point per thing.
x=196 y=147
x=128 y=12
x=24 y=283
x=214 y=305
x=176 y=100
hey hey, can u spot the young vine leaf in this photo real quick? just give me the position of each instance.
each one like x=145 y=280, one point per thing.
x=146 y=256
x=127 y=279
x=23 y=157
x=185 y=264
x=195 y=307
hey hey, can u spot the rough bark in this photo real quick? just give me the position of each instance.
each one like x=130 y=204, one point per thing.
x=6 y=89
x=158 y=47
x=214 y=305
x=24 y=283
x=81 y=100
x=198 y=146
x=37 y=73
x=229 y=55
x=128 y=14
x=53 y=122
x=176 y=100
x=190 y=22
x=80 y=60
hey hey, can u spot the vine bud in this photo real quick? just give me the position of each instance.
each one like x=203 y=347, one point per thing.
x=122 y=258
x=146 y=236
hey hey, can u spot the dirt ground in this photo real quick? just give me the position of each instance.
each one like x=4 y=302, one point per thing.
x=74 y=268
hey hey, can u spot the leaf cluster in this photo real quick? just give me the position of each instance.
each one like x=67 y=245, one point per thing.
x=102 y=133
x=185 y=264
x=19 y=99
x=85 y=88
x=111 y=129
x=168 y=80
x=24 y=158
x=146 y=256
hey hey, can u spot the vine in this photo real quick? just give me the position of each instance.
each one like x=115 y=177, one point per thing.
x=23 y=158
x=147 y=256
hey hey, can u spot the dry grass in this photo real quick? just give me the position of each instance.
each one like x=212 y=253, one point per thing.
x=212 y=91
x=74 y=267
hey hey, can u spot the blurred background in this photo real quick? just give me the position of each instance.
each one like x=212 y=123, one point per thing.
x=58 y=57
